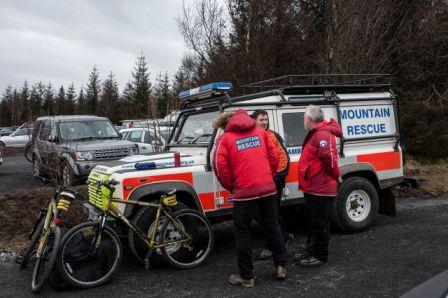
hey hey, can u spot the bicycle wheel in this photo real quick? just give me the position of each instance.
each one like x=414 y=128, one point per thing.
x=144 y=220
x=44 y=263
x=194 y=251
x=32 y=245
x=89 y=257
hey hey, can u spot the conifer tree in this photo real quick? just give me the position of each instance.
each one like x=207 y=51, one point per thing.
x=81 y=102
x=142 y=90
x=70 y=100
x=93 y=91
x=110 y=99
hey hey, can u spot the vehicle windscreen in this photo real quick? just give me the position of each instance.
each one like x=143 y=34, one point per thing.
x=197 y=129
x=87 y=130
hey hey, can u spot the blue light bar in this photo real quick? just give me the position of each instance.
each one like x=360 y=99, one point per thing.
x=145 y=165
x=203 y=91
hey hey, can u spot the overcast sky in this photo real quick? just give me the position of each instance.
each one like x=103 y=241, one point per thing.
x=60 y=41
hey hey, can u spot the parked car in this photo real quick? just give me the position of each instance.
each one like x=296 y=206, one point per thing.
x=147 y=139
x=19 y=138
x=71 y=146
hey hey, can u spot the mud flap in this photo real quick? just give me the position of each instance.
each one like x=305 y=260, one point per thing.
x=387 y=202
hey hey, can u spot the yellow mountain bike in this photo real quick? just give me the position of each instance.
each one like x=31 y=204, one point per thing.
x=90 y=253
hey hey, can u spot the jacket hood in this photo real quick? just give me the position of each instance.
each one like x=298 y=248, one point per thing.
x=331 y=126
x=240 y=121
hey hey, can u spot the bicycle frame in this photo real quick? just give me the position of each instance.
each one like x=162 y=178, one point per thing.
x=52 y=212
x=149 y=242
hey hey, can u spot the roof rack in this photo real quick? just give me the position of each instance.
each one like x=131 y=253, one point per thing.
x=326 y=84
x=321 y=80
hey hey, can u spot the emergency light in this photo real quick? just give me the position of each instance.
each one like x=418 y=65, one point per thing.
x=145 y=165
x=206 y=90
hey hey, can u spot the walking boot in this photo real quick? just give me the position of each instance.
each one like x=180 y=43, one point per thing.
x=237 y=280
x=280 y=272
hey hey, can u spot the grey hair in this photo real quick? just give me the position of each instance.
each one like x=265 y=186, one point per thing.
x=314 y=113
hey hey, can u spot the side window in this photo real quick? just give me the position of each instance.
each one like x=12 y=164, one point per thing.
x=22 y=132
x=44 y=132
x=149 y=139
x=293 y=129
x=136 y=136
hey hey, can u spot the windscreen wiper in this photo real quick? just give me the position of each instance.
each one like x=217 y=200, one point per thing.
x=186 y=137
x=201 y=136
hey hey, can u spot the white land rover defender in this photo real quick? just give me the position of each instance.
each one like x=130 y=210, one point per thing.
x=370 y=153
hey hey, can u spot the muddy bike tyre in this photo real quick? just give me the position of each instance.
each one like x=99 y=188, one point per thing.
x=44 y=264
x=194 y=252
x=31 y=248
x=77 y=256
x=144 y=219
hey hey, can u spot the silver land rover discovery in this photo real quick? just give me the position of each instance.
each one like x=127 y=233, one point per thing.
x=69 y=147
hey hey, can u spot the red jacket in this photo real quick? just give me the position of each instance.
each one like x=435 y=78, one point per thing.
x=318 y=164
x=245 y=159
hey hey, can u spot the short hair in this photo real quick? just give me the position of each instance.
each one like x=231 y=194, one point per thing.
x=258 y=113
x=315 y=113
x=221 y=120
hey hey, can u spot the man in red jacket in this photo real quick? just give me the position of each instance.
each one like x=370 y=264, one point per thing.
x=318 y=179
x=245 y=161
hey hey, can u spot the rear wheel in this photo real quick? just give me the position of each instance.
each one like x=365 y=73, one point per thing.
x=48 y=249
x=356 y=206
x=144 y=220
x=89 y=256
x=28 y=152
x=191 y=236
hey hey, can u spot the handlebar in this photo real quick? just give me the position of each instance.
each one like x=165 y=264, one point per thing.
x=60 y=188
x=109 y=184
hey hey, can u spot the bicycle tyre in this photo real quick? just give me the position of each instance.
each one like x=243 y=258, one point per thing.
x=30 y=249
x=44 y=263
x=144 y=219
x=72 y=270
x=194 y=252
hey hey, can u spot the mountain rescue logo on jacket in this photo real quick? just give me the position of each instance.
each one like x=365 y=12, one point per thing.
x=247 y=143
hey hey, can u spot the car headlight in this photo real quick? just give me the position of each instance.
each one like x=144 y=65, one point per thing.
x=84 y=155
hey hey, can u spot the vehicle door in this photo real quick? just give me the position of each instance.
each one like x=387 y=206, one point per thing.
x=136 y=136
x=150 y=142
x=41 y=143
x=290 y=127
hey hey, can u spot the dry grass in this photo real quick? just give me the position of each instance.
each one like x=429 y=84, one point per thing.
x=20 y=209
x=433 y=175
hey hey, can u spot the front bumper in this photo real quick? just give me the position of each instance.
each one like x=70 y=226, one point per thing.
x=84 y=167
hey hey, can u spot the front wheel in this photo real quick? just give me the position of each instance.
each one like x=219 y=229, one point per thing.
x=66 y=175
x=46 y=255
x=188 y=239
x=89 y=255
x=31 y=248
x=356 y=206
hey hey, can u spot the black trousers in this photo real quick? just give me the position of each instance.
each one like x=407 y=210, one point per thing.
x=243 y=213
x=318 y=225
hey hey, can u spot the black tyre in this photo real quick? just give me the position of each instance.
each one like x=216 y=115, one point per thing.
x=32 y=244
x=193 y=252
x=82 y=264
x=44 y=263
x=356 y=206
x=144 y=220
x=37 y=169
x=66 y=174
x=28 y=152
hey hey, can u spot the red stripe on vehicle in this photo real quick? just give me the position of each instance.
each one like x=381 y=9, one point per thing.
x=382 y=161
x=130 y=184
x=293 y=174
x=207 y=201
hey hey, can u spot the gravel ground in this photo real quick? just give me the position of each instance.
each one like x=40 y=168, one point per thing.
x=394 y=256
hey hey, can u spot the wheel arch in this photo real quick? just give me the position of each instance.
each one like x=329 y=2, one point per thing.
x=364 y=170
x=185 y=194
